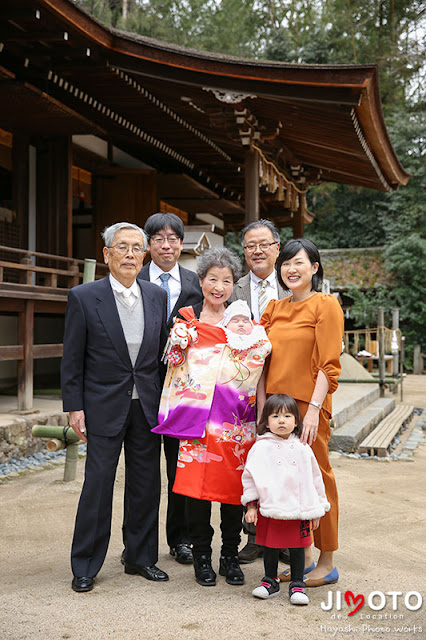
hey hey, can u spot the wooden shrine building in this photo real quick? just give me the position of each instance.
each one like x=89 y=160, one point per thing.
x=98 y=125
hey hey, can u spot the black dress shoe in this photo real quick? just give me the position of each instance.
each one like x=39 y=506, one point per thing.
x=230 y=568
x=182 y=553
x=82 y=584
x=204 y=573
x=150 y=573
x=250 y=553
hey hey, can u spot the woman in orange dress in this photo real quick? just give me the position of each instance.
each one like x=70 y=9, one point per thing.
x=306 y=331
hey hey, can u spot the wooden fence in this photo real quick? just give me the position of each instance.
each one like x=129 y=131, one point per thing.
x=29 y=279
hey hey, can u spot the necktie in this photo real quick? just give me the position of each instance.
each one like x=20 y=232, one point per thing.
x=128 y=297
x=262 y=297
x=165 y=285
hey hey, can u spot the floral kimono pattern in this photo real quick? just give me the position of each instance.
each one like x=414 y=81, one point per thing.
x=214 y=389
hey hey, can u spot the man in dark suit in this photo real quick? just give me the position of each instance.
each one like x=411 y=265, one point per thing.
x=165 y=233
x=115 y=332
x=261 y=245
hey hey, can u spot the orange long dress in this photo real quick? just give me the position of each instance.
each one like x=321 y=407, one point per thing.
x=306 y=337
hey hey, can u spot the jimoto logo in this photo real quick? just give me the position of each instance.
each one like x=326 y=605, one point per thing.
x=375 y=601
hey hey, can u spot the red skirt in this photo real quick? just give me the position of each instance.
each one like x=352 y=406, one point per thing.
x=283 y=534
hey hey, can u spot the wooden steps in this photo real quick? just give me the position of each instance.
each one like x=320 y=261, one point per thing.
x=378 y=442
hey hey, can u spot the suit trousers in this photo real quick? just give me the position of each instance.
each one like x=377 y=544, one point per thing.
x=201 y=531
x=326 y=536
x=93 y=522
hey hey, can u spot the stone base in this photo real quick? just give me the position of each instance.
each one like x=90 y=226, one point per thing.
x=16 y=439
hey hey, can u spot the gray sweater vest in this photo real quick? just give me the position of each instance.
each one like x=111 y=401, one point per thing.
x=133 y=323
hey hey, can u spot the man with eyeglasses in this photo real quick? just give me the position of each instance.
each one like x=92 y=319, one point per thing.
x=115 y=332
x=261 y=245
x=165 y=233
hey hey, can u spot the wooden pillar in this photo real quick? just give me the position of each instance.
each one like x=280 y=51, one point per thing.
x=54 y=196
x=298 y=219
x=381 y=348
x=251 y=186
x=20 y=188
x=25 y=366
x=395 y=352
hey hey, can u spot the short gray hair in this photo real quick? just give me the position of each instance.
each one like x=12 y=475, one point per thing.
x=261 y=223
x=109 y=232
x=218 y=257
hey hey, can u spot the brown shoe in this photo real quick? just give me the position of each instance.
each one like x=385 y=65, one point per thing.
x=250 y=553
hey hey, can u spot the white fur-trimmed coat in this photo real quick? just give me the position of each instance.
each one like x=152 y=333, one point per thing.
x=283 y=475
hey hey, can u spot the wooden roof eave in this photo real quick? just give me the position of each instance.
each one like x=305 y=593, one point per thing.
x=371 y=118
x=355 y=86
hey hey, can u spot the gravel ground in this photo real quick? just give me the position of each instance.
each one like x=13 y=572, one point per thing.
x=382 y=526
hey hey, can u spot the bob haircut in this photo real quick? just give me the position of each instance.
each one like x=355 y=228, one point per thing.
x=218 y=257
x=275 y=404
x=159 y=221
x=290 y=249
x=108 y=233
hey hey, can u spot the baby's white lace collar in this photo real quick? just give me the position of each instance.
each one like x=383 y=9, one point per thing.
x=242 y=342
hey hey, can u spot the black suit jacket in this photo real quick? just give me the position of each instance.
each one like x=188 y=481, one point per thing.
x=96 y=371
x=190 y=292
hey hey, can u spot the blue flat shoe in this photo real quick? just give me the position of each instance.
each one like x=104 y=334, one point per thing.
x=285 y=576
x=330 y=578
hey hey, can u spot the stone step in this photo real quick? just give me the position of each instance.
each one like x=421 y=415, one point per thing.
x=350 y=399
x=348 y=436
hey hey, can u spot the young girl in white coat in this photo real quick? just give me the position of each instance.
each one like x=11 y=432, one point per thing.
x=283 y=491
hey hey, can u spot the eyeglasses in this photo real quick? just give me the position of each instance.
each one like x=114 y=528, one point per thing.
x=122 y=249
x=263 y=246
x=161 y=239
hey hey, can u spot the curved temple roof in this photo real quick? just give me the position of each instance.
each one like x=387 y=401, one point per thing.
x=194 y=112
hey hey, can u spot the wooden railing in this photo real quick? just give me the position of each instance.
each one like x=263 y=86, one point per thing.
x=23 y=277
x=23 y=270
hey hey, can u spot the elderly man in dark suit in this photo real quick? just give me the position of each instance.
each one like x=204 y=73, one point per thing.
x=261 y=245
x=165 y=233
x=115 y=332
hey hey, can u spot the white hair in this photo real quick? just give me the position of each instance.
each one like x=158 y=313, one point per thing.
x=109 y=232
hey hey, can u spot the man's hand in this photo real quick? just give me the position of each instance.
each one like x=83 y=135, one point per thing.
x=251 y=515
x=78 y=424
x=315 y=523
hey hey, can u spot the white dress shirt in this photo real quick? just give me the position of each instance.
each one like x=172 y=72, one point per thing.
x=174 y=281
x=271 y=291
x=129 y=294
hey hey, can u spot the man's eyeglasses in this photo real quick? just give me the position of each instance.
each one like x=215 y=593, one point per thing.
x=263 y=246
x=161 y=239
x=122 y=249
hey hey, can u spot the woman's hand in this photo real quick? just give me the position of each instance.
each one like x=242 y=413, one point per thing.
x=315 y=523
x=310 y=425
x=251 y=515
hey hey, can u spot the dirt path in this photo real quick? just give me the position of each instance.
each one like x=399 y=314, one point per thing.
x=382 y=549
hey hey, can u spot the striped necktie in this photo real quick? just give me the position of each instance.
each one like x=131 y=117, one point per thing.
x=165 y=285
x=262 y=297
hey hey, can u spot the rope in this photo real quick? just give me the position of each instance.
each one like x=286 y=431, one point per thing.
x=277 y=171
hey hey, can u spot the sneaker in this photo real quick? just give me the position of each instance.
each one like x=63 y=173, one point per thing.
x=298 y=595
x=269 y=587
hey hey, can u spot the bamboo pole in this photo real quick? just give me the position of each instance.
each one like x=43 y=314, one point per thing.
x=61 y=437
x=89 y=270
